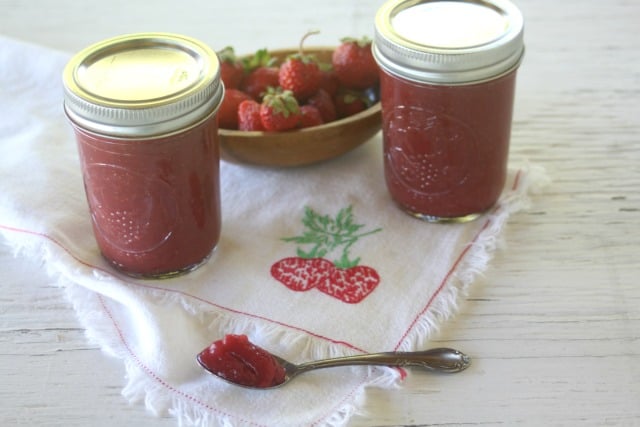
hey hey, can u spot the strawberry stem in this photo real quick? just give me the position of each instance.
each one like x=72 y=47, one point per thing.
x=326 y=235
x=309 y=33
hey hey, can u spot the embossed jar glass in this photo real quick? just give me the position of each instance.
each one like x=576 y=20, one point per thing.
x=448 y=72
x=143 y=108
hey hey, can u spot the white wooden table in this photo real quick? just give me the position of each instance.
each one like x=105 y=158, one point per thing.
x=554 y=326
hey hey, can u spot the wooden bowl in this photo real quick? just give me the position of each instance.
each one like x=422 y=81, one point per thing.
x=301 y=146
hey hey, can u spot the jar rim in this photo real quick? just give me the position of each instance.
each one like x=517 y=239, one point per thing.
x=423 y=55
x=142 y=84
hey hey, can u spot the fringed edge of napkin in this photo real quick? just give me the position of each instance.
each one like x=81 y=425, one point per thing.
x=529 y=180
x=220 y=322
x=161 y=398
x=144 y=385
x=474 y=259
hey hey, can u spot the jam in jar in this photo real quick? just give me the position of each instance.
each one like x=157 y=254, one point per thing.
x=143 y=108
x=448 y=71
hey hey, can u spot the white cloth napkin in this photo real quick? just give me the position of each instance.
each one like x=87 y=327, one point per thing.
x=157 y=327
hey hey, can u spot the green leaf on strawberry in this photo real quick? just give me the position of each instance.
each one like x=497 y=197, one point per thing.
x=326 y=235
x=363 y=41
x=279 y=110
x=261 y=58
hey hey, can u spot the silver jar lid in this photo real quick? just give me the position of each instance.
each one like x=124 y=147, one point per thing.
x=142 y=84
x=448 y=41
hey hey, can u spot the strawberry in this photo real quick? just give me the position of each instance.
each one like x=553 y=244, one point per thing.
x=349 y=102
x=279 y=110
x=343 y=279
x=328 y=79
x=228 y=112
x=261 y=74
x=310 y=116
x=324 y=103
x=259 y=80
x=249 y=116
x=300 y=73
x=231 y=69
x=354 y=64
x=350 y=285
x=301 y=274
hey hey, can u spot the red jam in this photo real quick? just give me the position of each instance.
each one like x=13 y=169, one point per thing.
x=448 y=71
x=239 y=361
x=155 y=203
x=446 y=147
x=144 y=110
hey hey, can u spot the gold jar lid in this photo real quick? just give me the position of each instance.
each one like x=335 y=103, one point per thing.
x=448 y=41
x=142 y=84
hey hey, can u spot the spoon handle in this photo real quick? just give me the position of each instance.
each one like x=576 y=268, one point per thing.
x=437 y=359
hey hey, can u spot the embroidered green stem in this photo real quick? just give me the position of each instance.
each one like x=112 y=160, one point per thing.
x=325 y=234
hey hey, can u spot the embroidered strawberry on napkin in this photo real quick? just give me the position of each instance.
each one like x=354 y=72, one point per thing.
x=342 y=278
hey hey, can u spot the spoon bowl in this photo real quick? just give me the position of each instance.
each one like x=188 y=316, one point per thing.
x=444 y=360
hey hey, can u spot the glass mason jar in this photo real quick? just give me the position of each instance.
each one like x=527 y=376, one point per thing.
x=143 y=108
x=448 y=71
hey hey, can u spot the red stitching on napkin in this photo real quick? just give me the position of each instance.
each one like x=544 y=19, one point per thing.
x=119 y=332
x=514 y=186
x=442 y=283
x=154 y=375
x=254 y=316
x=516 y=180
x=52 y=239
x=169 y=387
x=175 y=291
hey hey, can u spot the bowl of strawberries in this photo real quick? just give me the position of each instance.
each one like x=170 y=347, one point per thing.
x=296 y=107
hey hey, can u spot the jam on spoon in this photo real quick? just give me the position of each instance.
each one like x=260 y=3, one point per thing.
x=236 y=360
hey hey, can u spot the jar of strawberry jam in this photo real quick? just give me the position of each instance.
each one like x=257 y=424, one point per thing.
x=448 y=71
x=143 y=108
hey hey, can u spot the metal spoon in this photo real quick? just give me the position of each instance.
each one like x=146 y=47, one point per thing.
x=438 y=359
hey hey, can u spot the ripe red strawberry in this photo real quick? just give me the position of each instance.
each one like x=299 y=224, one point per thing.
x=324 y=103
x=249 y=116
x=350 y=102
x=279 y=110
x=300 y=74
x=228 y=112
x=231 y=69
x=259 y=80
x=310 y=116
x=301 y=274
x=261 y=73
x=328 y=79
x=354 y=64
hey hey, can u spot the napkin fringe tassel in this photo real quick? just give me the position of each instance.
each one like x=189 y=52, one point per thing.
x=142 y=385
x=145 y=386
x=531 y=179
